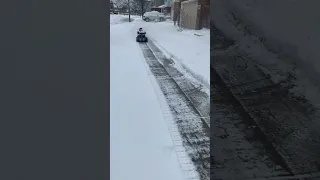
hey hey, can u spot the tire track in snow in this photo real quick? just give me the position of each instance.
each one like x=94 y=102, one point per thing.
x=188 y=128
x=192 y=89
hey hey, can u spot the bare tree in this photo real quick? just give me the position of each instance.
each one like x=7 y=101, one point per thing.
x=129 y=10
x=111 y=5
x=140 y=6
x=120 y=3
x=124 y=6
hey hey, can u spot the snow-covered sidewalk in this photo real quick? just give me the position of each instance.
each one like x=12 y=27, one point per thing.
x=141 y=145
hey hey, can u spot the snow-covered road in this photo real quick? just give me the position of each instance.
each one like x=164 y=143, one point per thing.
x=141 y=146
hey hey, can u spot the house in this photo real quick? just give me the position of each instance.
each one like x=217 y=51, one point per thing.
x=168 y=3
x=162 y=9
x=165 y=9
x=148 y=5
x=192 y=14
x=157 y=3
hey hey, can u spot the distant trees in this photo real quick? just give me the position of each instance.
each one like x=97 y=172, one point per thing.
x=140 y=6
x=121 y=5
x=111 y=5
x=136 y=7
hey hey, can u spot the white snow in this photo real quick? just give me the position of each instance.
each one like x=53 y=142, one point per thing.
x=292 y=22
x=290 y=27
x=151 y=13
x=294 y=25
x=163 y=6
x=291 y=31
x=117 y=19
x=141 y=145
x=190 y=48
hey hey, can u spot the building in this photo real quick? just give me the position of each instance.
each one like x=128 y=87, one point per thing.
x=162 y=9
x=157 y=3
x=192 y=14
x=168 y=2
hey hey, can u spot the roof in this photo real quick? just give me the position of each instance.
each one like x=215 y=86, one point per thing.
x=163 y=6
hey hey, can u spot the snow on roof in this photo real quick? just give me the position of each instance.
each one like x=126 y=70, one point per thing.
x=150 y=12
x=188 y=1
x=162 y=6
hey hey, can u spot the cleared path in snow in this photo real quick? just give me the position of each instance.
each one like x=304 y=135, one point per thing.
x=192 y=132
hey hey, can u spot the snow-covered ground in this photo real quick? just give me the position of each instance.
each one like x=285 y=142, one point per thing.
x=141 y=145
x=281 y=36
x=293 y=25
x=116 y=20
x=189 y=48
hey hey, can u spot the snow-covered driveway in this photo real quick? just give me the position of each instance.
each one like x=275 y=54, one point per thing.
x=141 y=146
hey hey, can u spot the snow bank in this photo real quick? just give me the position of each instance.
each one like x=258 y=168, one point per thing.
x=191 y=48
x=281 y=36
x=117 y=19
x=290 y=28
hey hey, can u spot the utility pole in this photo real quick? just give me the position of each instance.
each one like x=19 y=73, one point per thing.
x=129 y=10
